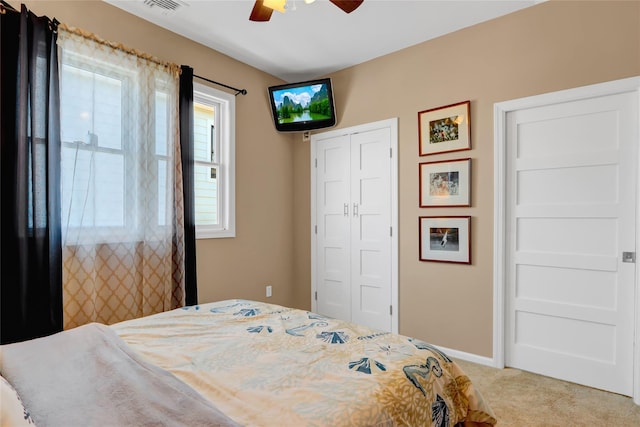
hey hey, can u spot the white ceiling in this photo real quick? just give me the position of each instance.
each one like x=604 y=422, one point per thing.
x=312 y=40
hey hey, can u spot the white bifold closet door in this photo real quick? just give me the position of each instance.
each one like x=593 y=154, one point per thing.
x=353 y=233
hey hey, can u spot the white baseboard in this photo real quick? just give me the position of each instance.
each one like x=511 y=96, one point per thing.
x=469 y=357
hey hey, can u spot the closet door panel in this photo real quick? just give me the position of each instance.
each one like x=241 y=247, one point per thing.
x=370 y=228
x=334 y=228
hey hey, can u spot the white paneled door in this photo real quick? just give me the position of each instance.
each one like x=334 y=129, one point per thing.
x=571 y=174
x=353 y=273
x=333 y=229
x=371 y=228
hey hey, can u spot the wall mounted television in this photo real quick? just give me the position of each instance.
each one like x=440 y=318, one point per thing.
x=304 y=106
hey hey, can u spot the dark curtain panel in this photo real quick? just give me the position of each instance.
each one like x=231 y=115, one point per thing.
x=31 y=267
x=186 y=147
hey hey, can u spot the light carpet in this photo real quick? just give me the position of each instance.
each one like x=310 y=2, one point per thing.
x=520 y=398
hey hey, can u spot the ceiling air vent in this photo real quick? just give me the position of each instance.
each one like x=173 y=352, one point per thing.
x=165 y=4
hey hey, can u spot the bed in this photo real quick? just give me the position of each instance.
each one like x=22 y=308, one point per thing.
x=236 y=362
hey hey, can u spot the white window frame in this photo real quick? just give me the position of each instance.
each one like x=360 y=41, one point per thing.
x=225 y=124
x=133 y=224
x=115 y=233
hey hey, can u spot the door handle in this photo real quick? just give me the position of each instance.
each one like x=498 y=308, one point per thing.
x=355 y=209
x=346 y=209
x=629 y=257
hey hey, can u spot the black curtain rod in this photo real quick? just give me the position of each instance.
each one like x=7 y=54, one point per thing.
x=238 y=91
x=8 y=7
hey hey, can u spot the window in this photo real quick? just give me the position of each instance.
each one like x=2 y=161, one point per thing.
x=93 y=150
x=116 y=165
x=214 y=168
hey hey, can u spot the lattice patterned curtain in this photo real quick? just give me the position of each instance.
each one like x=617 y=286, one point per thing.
x=122 y=214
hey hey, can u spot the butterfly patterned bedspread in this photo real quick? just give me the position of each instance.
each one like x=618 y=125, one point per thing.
x=268 y=365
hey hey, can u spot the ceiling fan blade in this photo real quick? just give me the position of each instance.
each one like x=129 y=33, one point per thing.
x=260 y=12
x=347 y=5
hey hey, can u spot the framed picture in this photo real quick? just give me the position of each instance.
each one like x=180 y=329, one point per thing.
x=445 y=239
x=445 y=129
x=445 y=183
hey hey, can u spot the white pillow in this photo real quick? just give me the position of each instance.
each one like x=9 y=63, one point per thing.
x=12 y=411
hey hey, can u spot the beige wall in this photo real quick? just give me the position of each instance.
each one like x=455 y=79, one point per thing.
x=548 y=47
x=551 y=46
x=262 y=252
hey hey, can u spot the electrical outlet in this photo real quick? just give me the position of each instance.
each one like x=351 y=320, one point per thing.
x=269 y=291
x=306 y=136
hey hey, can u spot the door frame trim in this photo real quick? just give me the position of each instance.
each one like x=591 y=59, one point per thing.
x=392 y=124
x=501 y=109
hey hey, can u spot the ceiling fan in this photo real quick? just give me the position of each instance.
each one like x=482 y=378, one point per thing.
x=262 y=9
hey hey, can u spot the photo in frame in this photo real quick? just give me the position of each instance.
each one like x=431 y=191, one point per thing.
x=445 y=239
x=445 y=129
x=445 y=183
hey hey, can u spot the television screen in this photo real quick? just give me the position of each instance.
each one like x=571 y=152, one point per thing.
x=299 y=107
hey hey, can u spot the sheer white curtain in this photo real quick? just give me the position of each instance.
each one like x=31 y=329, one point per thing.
x=121 y=182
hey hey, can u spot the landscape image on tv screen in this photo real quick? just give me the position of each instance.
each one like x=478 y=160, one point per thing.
x=303 y=103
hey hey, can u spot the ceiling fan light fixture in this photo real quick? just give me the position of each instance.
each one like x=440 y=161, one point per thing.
x=262 y=9
x=278 y=5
